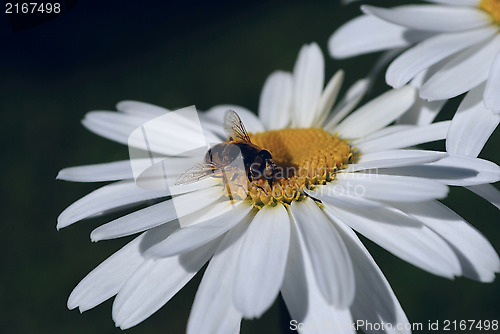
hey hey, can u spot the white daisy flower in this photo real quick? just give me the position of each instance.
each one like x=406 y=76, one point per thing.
x=296 y=236
x=453 y=48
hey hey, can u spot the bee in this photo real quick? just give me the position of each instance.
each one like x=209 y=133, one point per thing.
x=224 y=159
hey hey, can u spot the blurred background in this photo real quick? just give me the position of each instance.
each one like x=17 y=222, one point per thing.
x=173 y=54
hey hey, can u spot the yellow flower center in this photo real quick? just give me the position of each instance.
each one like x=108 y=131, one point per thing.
x=492 y=7
x=303 y=158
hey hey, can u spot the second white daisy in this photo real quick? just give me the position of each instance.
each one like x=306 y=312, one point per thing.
x=453 y=47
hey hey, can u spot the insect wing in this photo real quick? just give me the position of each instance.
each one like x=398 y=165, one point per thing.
x=196 y=173
x=234 y=128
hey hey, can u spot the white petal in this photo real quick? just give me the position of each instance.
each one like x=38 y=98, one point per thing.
x=141 y=109
x=111 y=171
x=390 y=187
x=422 y=112
x=157 y=214
x=170 y=134
x=308 y=81
x=403 y=236
x=381 y=63
x=112 y=125
x=342 y=196
x=213 y=310
x=406 y=138
x=330 y=261
x=473 y=170
x=421 y=77
x=452 y=170
x=328 y=97
x=209 y=212
x=431 y=17
x=471 y=126
x=390 y=129
x=262 y=260
x=431 y=51
x=366 y=33
x=191 y=237
x=303 y=298
x=163 y=169
x=175 y=133
x=488 y=192
x=182 y=189
x=276 y=100
x=491 y=95
x=155 y=282
x=477 y=257
x=377 y=113
x=109 y=197
x=463 y=72
x=375 y=301
x=350 y=100
x=216 y=115
x=107 y=278
x=393 y=158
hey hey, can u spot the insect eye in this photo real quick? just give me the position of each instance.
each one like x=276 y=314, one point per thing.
x=265 y=155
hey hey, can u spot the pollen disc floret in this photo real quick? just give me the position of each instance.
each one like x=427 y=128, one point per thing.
x=304 y=158
x=492 y=7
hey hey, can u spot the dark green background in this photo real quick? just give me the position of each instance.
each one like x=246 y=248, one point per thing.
x=173 y=54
